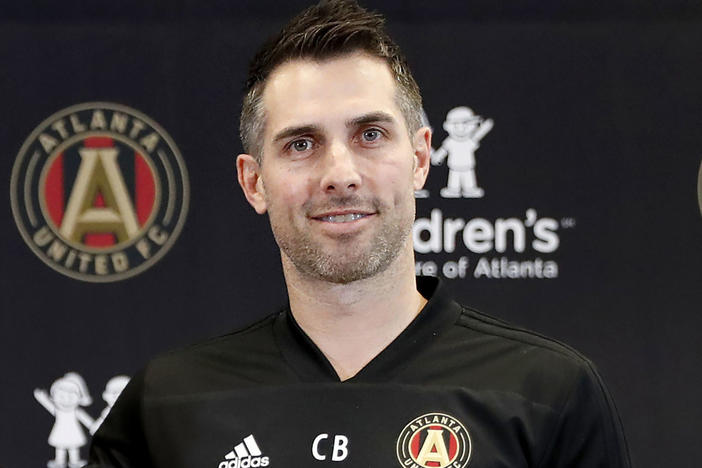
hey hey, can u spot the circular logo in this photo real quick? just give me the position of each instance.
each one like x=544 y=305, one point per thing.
x=99 y=192
x=434 y=440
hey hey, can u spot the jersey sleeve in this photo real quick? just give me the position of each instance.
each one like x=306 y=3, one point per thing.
x=120 y=441
x=589 y=433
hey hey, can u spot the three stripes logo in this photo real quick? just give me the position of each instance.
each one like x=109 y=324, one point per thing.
x=99 y=192
x=246 y=454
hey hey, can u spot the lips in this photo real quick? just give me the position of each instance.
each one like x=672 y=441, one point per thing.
x=341 y=216
x=344 y=218
x=340 y=211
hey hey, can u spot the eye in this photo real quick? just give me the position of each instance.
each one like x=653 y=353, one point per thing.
x=301 y=145
x=372 y=134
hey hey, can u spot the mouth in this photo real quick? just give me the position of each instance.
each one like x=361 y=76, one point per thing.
x=342 y=217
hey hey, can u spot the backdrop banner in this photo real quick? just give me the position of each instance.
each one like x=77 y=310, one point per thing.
x=573 y=209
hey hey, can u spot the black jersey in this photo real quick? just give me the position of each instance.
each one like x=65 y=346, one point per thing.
x=457 y=388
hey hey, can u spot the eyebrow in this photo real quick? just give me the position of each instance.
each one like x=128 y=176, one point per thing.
x=365 y=119
x=296 y=130
x=371 y=117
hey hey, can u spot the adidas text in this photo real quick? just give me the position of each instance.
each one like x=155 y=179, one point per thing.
x=246 y=462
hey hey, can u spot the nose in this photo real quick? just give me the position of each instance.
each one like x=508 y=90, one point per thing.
x=340 y=174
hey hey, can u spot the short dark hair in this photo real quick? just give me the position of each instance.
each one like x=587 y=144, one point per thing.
x=326 y=30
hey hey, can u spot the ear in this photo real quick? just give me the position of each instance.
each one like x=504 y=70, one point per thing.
x=249 y=175
x=422 y=156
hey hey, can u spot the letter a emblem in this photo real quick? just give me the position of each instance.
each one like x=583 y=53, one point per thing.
x=99 y=174
x=434 y=449
x=434 y=440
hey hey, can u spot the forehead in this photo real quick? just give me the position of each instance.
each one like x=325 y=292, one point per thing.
x=305 y=91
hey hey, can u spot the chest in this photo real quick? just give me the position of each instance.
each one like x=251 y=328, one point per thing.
x=341 y=425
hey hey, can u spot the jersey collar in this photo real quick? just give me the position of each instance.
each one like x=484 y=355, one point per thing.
x=311 y=365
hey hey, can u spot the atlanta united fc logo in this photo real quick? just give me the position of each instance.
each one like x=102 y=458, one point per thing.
x=434 y=440
x=99 y=192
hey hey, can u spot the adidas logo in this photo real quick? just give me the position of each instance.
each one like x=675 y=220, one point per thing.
x=245 y=455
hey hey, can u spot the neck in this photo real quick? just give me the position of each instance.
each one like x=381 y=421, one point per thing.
x=352 y=323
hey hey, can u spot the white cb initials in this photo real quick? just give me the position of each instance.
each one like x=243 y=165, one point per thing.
x=339 y=449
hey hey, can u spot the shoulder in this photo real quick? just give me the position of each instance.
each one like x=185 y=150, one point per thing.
x=500 y=356
x=255 y=337
x=231 y=360
x=519 y=338
x=548 y=373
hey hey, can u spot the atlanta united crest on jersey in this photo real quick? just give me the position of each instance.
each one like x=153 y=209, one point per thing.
x=434 y=440
x=99 y=192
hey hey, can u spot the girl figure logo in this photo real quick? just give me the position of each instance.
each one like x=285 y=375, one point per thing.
x=64 y=401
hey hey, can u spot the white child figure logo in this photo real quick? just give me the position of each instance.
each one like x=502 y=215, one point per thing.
x=465 y=131
x=66 y=396
x=113 y=388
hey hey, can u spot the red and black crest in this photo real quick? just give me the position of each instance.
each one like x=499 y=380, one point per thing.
x=434 y=440
x=99 y=192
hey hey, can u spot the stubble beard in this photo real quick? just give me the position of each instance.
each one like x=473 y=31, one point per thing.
x=350 y=260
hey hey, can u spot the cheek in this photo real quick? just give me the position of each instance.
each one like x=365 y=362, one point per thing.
x=396 y=183
x=285 y=193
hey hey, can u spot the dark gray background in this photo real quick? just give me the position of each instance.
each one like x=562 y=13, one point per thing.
x=597 y=109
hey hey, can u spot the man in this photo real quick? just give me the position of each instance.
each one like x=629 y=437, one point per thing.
x=368 y=366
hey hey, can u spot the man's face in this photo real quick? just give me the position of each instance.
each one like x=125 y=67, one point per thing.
x=339 y=169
